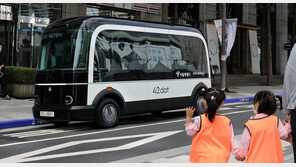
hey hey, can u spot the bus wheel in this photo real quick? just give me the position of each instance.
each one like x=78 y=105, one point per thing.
x=60 y=123
x=198 y=104
x=107 y=114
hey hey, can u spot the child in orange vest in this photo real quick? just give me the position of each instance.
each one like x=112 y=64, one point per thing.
x=213 y=139
x=260 y=141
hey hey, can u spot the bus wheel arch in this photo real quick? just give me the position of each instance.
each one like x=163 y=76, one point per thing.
x=197 y=97
x=114 y=103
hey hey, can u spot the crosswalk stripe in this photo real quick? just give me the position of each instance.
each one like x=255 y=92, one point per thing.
x=235 y=104
x=225 y=108
x=185 y=158
x=181 y=155
x=40 y=132
x=244 y=106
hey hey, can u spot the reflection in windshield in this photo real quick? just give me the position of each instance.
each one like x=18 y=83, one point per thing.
x=64 y=51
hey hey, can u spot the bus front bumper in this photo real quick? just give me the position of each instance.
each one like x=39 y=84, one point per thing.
x=64 y=113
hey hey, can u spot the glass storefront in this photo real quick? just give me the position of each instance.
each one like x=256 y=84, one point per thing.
x=32 y=21
x=22 y=25
x=6 y=30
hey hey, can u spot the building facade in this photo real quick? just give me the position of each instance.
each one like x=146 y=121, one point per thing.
x=21 y=26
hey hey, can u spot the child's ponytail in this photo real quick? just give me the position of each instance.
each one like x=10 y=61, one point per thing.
x=214 y=98
x=212 y=109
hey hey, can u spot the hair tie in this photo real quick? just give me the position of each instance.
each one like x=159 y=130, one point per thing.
x=213 y=98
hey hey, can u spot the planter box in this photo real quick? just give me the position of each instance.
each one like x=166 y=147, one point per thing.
x=21 y=90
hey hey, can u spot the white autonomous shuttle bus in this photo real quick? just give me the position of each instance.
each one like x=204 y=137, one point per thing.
x=94 y=68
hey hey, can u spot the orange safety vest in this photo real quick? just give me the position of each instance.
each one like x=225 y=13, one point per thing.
x=212 y=144
x=265 y=144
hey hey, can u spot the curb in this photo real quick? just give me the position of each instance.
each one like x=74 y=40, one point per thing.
x=22 y=122
x=245 y=99
x=32 y=122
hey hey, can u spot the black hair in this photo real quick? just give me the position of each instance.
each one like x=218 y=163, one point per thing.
x=214 y=98
x=266 y=101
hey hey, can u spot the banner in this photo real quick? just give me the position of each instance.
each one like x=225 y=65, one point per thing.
x=218 y=24
x=255 y=56
x=213 y=46
x=231 y=25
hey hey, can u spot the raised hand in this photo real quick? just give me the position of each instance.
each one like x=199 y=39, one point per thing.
x=288 y=118
x=190 y=111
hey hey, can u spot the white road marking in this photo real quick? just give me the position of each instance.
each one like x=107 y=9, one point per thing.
x=181 y=154
x=244 y=106
x=235 y=112
x=225 y=108
x=24 y=128
x=235 y=104
x=41 y=132
x=92 y=133
x=24 y=157
x=109 y=130
x=156 y=155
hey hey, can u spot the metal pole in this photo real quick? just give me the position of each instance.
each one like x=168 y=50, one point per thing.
x=223 y=52
x=32 y=45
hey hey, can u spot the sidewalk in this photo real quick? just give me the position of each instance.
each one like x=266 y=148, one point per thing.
x=21 y=109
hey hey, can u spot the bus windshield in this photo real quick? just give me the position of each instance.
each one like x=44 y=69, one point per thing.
x=64 y=50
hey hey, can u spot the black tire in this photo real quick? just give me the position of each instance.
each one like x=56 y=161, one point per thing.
x=107 y=114
x=198 y=104
x=60 y=123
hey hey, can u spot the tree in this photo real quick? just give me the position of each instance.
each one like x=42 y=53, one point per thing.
x=262 y=37
x=175 y=14
x=266 y=56
x=165 y=12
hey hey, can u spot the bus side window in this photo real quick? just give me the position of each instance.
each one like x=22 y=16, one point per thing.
x=128 y=46
x=190 y=55
x=176 y=54
x=101 y=57
x=159 y=55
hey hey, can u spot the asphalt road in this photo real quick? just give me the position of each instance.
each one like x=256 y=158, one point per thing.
x=141 y=138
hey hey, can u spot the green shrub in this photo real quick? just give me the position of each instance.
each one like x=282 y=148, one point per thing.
x=20 y=75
